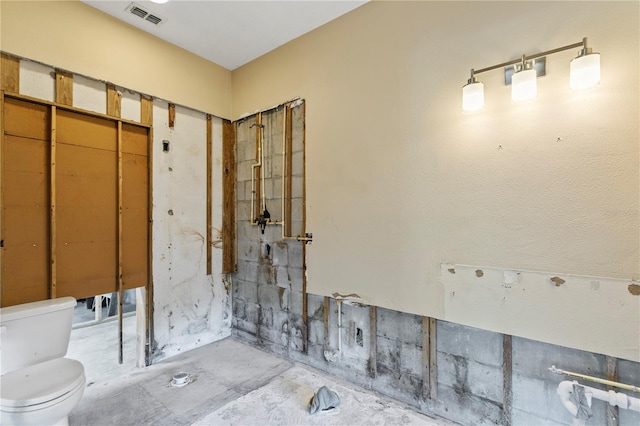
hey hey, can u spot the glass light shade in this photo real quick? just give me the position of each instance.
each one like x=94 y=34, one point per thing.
x=585 y=71
x=524 y=85
x=472 y=97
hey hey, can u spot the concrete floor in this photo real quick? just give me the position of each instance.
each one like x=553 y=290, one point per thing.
x=234 y=384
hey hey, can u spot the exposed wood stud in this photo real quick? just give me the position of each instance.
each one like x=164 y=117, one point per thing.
x=426 y=353
x=507 y=371
x=114 y=101
x=10 y=73
x=146 y=110
x=433 y=359
x=612 y=374
x=172 y=115
x=372 y=367
x=52 y=204
x=70 y=108
x=119 y=245
x=257 y=211
x=325 y=317
x=228 y=197
x=288 y=172
x=209 y=194
x=149 y=290
x=2 y=227
x=305 y=314
x=141 y=327
x=64 y=88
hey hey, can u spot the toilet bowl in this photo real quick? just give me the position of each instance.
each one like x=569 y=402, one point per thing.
x=38 y=385
x=42 y=394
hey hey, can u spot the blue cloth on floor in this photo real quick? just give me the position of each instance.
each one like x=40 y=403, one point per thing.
x=324 y=399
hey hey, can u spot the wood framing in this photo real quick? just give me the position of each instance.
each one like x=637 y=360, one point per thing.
x=372 y=367
x=2 y=144
x=229 y=263
x=64 y=88
x=209 y=241
x=429 y=359
x=9 y=73
x=146 y=110
x=305 y=303
x=426 y=353
x=612 y=374
x=257 y=210
x=507 y=372
x=325 y=317
x=172 y=115
x=288 y=172
x=114 y=101
x=53 y=276
x=119 y=244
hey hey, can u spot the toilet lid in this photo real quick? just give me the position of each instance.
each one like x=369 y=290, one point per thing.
x=40 y=383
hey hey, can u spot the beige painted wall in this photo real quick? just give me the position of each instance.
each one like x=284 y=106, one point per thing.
x=400 y=181
x=73 y=36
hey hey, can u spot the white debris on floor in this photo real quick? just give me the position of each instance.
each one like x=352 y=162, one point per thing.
x=285 y=400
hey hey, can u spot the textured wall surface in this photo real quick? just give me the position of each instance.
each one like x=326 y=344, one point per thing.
x=400 y=181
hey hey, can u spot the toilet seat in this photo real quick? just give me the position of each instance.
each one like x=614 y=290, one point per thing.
x=40 y=385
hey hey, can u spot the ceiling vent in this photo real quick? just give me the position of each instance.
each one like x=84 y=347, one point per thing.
x=142 y=13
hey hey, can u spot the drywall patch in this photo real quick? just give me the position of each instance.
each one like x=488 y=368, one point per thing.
x=542 y=306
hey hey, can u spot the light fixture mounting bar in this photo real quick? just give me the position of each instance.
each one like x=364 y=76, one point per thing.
x=582 y=44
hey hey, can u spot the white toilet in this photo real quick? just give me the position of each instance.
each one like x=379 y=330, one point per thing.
x=38 y=385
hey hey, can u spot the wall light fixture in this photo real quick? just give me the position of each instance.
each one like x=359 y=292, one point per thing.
x=522 y=75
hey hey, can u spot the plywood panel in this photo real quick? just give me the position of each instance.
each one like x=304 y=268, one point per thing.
x=25 y=274
x=25 y=155
x=83 y=193
x=135 y=216
x=134 y=224
x=78 y=129
x=85 y=264
x=80 y=161
x=18 y=296
x=134 y=263
x=134 y=139
x=26 y=119
x=80 y=224
x=86 y=288
x=26 y=225
x=24 y=189
x=86 y=205
x=25 y=210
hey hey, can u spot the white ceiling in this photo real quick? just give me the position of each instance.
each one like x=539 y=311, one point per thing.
x=229 y=33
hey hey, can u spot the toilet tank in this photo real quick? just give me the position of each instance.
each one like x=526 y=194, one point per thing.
x=35 y=332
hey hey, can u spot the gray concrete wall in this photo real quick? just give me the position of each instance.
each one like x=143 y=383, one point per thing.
x=268 y=287
x=268 y=312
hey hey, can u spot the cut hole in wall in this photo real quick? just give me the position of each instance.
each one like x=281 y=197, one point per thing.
x=359 y=337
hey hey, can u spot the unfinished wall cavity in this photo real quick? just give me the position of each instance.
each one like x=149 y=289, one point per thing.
x=472 y=371
x=191 y=307
x=268 y=287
